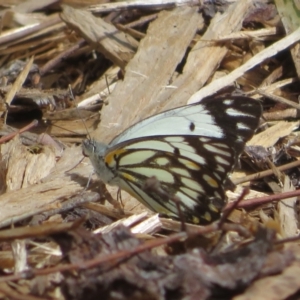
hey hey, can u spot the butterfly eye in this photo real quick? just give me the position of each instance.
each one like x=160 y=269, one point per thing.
x=88 y=147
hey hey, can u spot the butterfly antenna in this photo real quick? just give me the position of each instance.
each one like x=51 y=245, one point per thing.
x=79 y=113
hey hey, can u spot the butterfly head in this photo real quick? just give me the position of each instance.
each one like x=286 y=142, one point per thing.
x=91 y=147
x=96 y=152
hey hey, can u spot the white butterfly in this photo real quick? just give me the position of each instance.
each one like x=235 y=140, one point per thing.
x=190 y=150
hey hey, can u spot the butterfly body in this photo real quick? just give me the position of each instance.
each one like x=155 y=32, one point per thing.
x=190 y=150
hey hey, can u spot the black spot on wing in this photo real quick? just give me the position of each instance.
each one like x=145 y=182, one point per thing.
x=192 y=126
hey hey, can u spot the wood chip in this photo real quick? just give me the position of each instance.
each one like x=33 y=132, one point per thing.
x=269 y=137
x=149 y=72
x=114 y=44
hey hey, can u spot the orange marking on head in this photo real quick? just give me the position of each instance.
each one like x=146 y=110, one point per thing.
x=110 y=157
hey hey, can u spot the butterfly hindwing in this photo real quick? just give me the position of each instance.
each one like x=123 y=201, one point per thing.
x=191 y=168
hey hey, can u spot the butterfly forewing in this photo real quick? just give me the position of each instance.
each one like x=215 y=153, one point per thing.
x=212 y=117
x=190 y=150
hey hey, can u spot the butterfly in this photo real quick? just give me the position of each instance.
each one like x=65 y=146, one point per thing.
x=190 y=150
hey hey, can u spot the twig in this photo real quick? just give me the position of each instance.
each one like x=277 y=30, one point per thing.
x=225 y=81
x=113 y=257
x=266 y=173
x=13 y=134
x=121 y=5
x=233 y=206
x=57 y=59
x=263 y=200
x=279 y=99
